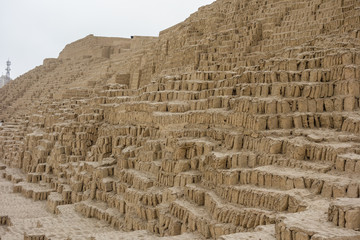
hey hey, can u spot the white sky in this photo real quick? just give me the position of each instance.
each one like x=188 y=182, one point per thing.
x=31 y=30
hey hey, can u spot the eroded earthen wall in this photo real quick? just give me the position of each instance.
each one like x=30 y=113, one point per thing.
x=243 y=115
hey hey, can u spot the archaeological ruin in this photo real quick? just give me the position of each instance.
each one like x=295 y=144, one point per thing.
x=242 y=122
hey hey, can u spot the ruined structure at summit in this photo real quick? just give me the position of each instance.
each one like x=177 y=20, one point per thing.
x=242 y=122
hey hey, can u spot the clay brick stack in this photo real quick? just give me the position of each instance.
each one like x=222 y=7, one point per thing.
x=244 y=115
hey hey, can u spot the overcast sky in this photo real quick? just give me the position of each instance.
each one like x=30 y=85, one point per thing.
x=32 y=30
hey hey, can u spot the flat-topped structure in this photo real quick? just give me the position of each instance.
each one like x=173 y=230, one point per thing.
x=242 y=122
x=92 y=46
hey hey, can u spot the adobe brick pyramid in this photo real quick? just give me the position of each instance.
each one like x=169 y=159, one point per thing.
x=242 y=122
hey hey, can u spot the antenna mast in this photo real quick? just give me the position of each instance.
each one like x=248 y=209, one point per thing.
x=8 y=69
